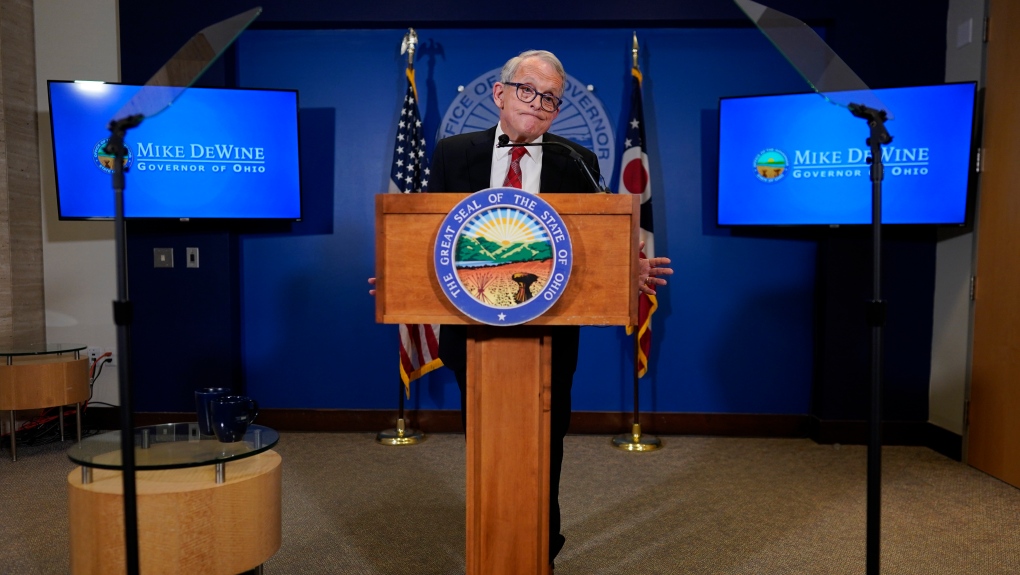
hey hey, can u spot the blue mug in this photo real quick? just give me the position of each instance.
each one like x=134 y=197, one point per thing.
x=231 y=416
x=203 y=406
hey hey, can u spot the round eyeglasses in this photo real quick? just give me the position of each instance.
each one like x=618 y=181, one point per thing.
x=527 y=94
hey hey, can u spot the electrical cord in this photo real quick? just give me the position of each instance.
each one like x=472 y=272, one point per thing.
x=96 y=370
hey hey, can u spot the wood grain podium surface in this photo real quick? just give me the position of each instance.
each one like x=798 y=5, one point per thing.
x=508 y=368
x=509 y=397
x=187 y=523
x=600 y=291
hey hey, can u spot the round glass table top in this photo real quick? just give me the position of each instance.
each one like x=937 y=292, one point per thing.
x=171 y=446
x=40 y=348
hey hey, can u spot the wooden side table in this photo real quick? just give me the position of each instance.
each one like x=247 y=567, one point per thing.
x=203 y=506
x=187 y=523
x=39 y=376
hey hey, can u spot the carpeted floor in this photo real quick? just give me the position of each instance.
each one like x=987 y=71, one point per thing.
x=700 y=505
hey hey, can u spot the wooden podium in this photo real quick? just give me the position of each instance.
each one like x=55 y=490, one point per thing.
x=508 y=370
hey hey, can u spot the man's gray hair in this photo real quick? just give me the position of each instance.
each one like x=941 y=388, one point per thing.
x=510 y=68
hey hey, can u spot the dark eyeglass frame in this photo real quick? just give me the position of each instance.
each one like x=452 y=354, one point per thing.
x=556 y=102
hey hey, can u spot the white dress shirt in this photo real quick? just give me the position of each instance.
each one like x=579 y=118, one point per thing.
x=531 y=165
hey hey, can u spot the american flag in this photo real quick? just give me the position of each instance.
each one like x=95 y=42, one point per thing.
x=419 y=343
x=634 y=180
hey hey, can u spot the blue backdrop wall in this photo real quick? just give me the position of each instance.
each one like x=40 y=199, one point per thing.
x=305 y=298
x=768 y=323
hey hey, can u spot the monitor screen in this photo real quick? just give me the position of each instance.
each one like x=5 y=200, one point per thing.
x=214 y=153
x=797 y=159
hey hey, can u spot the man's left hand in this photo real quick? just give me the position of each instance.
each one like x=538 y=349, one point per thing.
x=649 y=271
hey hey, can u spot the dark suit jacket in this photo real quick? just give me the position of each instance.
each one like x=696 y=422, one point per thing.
x=463 y=163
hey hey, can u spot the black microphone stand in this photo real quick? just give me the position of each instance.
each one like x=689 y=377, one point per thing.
x=122 y=316
x=876 y=314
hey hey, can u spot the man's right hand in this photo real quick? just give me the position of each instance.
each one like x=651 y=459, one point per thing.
x=371 y=281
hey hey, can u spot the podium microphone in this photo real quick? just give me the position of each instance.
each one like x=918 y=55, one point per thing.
x=504 y=142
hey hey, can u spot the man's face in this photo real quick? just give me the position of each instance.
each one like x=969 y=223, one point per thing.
x=524 y=122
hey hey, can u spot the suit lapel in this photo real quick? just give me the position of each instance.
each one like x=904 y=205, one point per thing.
x=554 y=166
x=479 y=159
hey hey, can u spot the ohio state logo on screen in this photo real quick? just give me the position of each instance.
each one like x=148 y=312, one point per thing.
x=770 y=165
x=106 y=161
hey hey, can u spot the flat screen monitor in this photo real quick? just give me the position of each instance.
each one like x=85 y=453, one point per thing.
x=215 y=153
x=797 y=159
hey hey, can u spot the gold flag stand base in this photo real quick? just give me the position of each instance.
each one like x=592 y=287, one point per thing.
x=634 y=441
x=400 y=435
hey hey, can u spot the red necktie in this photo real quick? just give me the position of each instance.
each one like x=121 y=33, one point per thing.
x=513 y=175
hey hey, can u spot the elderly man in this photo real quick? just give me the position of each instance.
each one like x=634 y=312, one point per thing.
x=528 y=96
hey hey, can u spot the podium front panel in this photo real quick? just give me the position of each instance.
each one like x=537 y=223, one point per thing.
x=603 y=230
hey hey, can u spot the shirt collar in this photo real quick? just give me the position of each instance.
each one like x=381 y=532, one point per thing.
x=535 y=152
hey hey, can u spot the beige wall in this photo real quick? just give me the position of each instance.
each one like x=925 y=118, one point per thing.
x=76 y=40
x=21 y=270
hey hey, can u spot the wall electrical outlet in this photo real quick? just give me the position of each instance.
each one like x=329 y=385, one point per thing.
x=192 y=256
x=94 y=353
x=163 y=257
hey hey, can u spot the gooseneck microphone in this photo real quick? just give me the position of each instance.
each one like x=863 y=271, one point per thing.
x=504 y=142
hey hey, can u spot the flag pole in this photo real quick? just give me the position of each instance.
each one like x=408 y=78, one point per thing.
x=635 y=440
x=401 y=435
